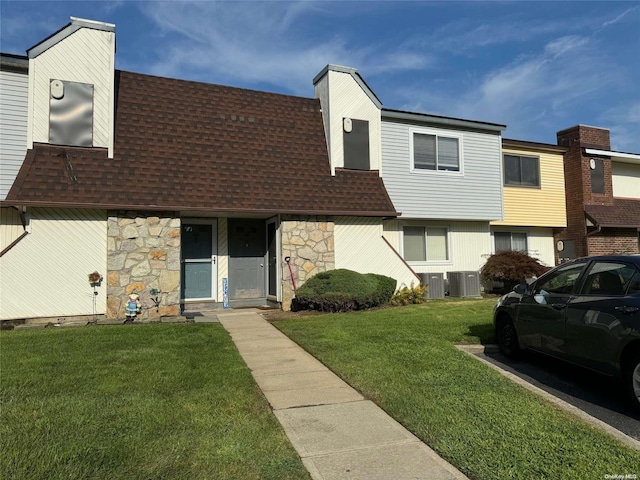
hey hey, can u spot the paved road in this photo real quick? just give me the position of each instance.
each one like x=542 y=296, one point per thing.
x=597 y=395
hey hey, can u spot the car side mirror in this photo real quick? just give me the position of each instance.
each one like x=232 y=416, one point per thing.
x=521 y=288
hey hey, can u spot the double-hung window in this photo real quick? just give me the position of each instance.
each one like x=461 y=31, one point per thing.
x=510 y=241
x=435 y=152
x=521 y=171
x=425 y=244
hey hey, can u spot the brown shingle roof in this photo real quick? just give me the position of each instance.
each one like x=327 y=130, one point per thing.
x=624 y=213
x=183 y=145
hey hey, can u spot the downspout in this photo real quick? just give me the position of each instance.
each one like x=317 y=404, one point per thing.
x=23 y=220
x=596 y=231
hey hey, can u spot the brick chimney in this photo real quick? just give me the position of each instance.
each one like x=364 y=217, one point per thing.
x=588 y=179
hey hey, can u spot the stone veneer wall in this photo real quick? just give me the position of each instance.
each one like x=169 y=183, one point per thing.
x=309 y=241
x=143 y=253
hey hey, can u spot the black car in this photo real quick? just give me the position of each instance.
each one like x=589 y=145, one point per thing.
x=586 y=312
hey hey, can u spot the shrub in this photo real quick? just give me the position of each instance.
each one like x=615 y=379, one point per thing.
x=344 y=290
x=409 y=296
x=386 y=286
x=511 y=268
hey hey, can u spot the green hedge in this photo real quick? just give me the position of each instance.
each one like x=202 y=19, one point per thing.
x=344 y=290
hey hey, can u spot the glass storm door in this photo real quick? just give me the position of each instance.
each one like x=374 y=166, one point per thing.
x=199 y=261
x=247 y=253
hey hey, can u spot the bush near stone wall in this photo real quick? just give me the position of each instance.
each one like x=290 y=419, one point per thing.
x=344 y=290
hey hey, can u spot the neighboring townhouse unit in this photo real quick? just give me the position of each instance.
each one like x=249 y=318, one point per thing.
x=603 y=195
x=188 y=193
x=14 y=88
x=443 y=174
x=534 y=199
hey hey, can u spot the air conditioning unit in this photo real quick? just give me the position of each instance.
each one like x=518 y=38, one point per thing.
x=464 y=284
x=435 y=284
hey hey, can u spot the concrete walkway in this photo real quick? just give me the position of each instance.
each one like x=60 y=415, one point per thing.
x=337 y=433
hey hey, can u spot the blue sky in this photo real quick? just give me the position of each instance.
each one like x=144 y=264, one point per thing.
x=537 y=67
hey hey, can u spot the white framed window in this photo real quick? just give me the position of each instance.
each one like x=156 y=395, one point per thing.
x=521 y=171
x=425 y=244
x=434 y=151
x=516 y=241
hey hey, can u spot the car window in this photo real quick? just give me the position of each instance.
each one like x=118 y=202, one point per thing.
x=634 y=285
x=608 y=278
x=562 y=280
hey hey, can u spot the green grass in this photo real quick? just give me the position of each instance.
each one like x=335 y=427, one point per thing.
x=135 y=402
x=404 y=359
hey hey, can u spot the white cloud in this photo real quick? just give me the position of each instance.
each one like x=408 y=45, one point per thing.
x=31 y=27
x=533 y=93
x=271 y=42
x=620 y=17
x=624 y=123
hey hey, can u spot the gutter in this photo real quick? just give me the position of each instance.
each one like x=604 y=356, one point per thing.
x=440 y=120
x=187 y=208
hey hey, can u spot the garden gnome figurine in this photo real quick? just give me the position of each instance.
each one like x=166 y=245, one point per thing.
x=133 y=307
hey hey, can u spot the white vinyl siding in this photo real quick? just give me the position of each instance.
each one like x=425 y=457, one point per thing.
x=626 y=180
x=46 y=273
x=85 y=56
x=539 y=241
x=360 y=246
x=10 y=226
x=342 y=97
x=474 y=193
x=14 y=89
x=468 y=244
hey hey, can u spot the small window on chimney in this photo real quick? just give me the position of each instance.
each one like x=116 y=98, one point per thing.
x=596 y=165
x=71 y=113
x=356 y=144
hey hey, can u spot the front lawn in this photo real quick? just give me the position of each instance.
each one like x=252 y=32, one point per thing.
x=404 y=360
x=135 y=402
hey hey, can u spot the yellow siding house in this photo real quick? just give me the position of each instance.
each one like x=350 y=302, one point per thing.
x=534 y=199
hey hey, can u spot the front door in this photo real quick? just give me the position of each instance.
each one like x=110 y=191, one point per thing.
x=199 y=260
x=247 y=254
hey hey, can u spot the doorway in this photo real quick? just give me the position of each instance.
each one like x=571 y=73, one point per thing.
x=199 y=249
x=247 y=258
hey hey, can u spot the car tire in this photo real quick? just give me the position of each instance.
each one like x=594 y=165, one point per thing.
x=507 y=337
x=632 y=379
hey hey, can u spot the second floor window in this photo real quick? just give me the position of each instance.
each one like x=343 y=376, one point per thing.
x=436 y=152
x=521 y=171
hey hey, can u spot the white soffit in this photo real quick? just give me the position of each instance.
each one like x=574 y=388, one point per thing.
x=615 y=156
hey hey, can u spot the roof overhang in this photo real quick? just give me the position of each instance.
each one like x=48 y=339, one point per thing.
x=443 y=121
x=542 y=147
x=356 y=76
x=222 y=212
x=615 y=156
x=14 y=63
x=72 y=27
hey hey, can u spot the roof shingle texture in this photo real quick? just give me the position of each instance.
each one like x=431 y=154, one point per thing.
x=623 y=213
x=182 y=145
